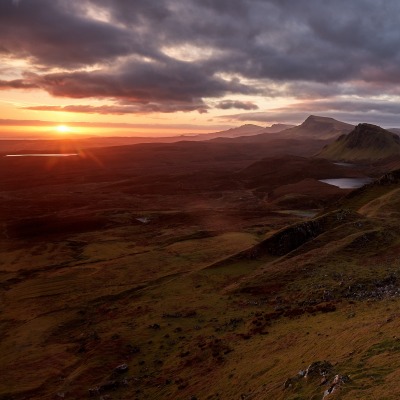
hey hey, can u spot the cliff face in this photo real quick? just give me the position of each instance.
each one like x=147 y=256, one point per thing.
x=389 y=178
x=292 y=237
x=365 y=142
x=367 y=135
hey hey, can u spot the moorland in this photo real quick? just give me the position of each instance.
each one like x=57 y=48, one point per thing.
x=221 y=268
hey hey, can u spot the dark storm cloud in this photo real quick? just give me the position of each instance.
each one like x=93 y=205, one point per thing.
x=142 y=86
x=312 y=49
x=58 y=33
x=122 y=109
x=140 y=81
x=240 y=105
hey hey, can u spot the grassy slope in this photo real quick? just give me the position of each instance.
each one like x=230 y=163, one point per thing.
x=190 y=330
x=158 y=298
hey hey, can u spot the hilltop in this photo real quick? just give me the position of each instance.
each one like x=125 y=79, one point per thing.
x=365 y=143
x=318 y=127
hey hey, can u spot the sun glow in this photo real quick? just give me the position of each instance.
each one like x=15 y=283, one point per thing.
x=63 y=129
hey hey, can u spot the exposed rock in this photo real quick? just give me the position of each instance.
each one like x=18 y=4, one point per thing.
x=365 y=143
x=110 y=385
x=321 y=368
x=121 y=368
x=336 y=382
x=288 y=383
x=94 y=391
x=324 y=380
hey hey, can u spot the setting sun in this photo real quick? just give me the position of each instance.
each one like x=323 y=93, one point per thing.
x=63 y=129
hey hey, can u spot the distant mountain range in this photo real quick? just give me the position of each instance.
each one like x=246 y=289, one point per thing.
x=314 y=127
x=243 y=130
x=354 y=144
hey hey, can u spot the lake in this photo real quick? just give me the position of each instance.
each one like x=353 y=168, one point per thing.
x=43 y=155
x=347 y=183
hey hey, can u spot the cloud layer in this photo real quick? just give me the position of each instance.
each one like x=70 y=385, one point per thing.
x=195 y=55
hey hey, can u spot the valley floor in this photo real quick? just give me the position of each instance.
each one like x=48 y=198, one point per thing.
x=111 y=294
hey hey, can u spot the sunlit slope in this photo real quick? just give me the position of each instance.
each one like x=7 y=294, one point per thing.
x=376 y=198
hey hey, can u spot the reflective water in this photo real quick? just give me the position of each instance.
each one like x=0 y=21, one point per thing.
x=347 y=183
x=43 y=155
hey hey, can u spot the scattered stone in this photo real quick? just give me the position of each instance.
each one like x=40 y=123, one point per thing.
x=155 y=326
x=121 y=368
x=321 y=368
x=94 y=391
x=288 y=383
x=324 y=381
x=336 y=382
x=110 y=385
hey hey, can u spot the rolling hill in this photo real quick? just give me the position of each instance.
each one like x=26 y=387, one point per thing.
x=155 y=271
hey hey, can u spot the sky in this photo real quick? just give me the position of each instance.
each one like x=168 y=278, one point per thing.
x=168 y=67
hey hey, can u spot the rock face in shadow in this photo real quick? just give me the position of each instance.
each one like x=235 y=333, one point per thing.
x=389 y=178
x=365 y=143
x=292 y=237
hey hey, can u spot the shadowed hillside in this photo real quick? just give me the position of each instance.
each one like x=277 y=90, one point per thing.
x=366 y=143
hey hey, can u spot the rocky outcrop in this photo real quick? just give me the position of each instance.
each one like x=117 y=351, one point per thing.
x=292 y=237
x=390 y=178
x=366 y=143
x=319 y=373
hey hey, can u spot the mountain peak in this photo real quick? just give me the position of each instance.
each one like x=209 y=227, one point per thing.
x=316 y=119
x=321 y=128
x=367 y=135
x=366 y=142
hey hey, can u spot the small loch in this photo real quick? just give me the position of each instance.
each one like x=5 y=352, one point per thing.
x=347 y=183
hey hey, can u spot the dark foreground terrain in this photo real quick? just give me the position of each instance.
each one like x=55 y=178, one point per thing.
x=197 y=271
